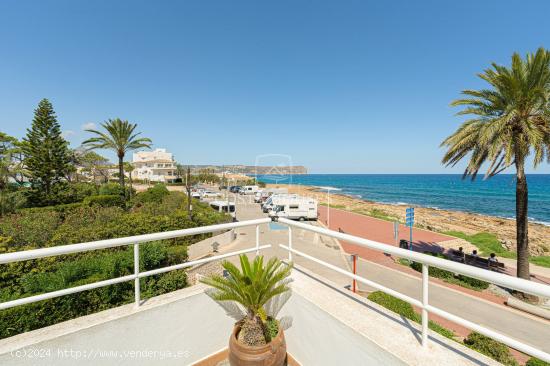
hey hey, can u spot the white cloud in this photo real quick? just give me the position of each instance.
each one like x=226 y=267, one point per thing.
x=68 y=133
x=88 y=126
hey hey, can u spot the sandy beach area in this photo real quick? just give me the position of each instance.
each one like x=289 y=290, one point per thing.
x=435 y=219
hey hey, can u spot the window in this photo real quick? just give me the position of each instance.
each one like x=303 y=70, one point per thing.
x=293 y=207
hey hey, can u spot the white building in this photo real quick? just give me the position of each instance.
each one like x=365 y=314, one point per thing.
x=154 y=166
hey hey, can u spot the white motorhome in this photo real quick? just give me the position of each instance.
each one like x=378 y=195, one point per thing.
x=271 y=201
x=248 y=190
x=301 y=208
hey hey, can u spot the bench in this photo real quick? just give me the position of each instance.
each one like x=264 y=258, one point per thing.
x=475 y=260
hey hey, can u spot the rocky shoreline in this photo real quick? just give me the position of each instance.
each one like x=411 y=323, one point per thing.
x=438 y=220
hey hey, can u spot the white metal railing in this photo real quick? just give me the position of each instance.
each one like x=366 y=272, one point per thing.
x=131 y=240
x=427 y=261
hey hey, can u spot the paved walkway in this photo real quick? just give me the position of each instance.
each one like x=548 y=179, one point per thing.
x=423 y=240
x=487 y=311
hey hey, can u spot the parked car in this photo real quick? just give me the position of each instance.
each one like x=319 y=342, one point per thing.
x=248 y=190
x=221 y=188
x=210 y=194
x=234 y=189
x=196 y=195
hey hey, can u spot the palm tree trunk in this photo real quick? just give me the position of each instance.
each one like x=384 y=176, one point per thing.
x=121 y=171
x=522 y=237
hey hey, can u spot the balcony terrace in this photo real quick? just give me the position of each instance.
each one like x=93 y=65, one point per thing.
x=331 y=325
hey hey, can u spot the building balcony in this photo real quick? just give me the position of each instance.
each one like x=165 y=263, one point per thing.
x=331 y=324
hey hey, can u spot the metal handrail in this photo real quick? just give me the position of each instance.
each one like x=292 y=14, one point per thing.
x=515 y=283
x=131 y=240
x=428 y=260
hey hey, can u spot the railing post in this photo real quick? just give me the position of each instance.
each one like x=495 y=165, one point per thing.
x=289 y=243
x=424 y=304
x=354 y=262
x=257 y=239
x=136 y=273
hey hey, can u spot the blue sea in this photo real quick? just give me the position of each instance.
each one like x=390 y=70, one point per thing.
x=495 y=196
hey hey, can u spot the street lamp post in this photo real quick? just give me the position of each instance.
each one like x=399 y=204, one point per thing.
x=328 y=189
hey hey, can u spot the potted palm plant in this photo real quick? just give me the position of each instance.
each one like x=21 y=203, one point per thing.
x=253 y=296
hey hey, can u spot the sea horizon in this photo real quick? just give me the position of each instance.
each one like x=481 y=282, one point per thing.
x=445 y=191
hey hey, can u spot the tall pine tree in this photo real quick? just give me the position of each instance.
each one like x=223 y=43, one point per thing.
x=46 y=153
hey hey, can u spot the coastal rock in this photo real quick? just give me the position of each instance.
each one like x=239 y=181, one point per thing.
x=440 y=220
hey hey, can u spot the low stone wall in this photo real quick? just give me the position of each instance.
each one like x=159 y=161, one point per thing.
x=210 y=245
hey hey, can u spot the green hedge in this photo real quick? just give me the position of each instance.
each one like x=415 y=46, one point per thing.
x=155 y=194
x=489 y=347
x=406 y=310
x=447 y=276
x=105 y=200
x=61 y=225
x=533 y=361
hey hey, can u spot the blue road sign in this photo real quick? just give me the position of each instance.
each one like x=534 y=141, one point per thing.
x=409 y=221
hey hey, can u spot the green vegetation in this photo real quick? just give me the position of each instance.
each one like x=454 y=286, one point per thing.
x=543 y=261
x=488 y=243
x=485 y=345
x=533 y=361
x=510 y=119
x=489 y=347
x=450 y=277
x=376 y=213
x=97 y=217
x=46 y=156
x=120 y=137
x=381 y=214
x=406 y=310
x=341 y=207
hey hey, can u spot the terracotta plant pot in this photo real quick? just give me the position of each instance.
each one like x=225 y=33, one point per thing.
x=271 y=354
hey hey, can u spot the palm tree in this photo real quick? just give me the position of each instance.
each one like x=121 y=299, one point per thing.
x=120 y=138
x=510 y=121
x=254 y=287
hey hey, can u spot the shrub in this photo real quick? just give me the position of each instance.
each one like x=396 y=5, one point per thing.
x=11 y=201
x=111 y=189
x=533 y=361
x=90 y=268
x=406 y=310
x=447 y=276
x=394 y=304
x=29 y=229
x=489 y=347
x=106 y=200
x=153 y=195
x=77 y=223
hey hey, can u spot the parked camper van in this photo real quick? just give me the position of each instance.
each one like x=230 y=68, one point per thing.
x=275 y=199
x=301 y=208
x=248 y=190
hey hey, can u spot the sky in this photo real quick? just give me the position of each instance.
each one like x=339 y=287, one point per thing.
x=337 y=86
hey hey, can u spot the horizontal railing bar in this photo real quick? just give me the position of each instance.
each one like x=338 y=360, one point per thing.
x=357 y=278
x=482 y=274
x=67 y=291
x=111 y=243
x=113 y=281
x=522 y=347
x=199 y=261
